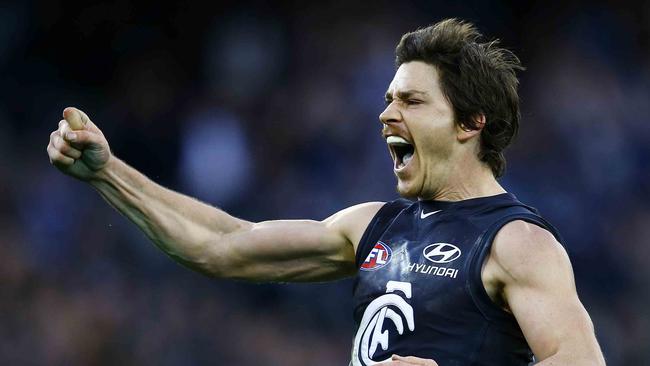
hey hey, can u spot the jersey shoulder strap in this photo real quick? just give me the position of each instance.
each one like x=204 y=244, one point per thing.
x=378 y=225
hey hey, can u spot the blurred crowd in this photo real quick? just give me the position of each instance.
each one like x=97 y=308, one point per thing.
x=270 y=110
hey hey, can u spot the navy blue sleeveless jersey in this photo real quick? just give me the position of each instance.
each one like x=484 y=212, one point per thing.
x=419 y=290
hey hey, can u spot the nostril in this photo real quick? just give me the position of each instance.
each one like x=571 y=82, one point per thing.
x=389 y=115
x=388 y=119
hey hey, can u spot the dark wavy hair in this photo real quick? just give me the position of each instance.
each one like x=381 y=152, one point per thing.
x=476 y=76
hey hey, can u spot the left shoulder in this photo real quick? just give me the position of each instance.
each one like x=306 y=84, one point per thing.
x=524 y=251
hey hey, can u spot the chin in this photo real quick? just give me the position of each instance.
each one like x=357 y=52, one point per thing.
x=407 y=190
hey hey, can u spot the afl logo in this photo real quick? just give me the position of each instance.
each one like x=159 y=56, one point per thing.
x=378 y=257
x=441 y=253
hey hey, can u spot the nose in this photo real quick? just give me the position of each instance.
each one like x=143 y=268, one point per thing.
x=390 y=115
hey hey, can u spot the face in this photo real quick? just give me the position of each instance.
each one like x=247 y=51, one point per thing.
x=418 y=125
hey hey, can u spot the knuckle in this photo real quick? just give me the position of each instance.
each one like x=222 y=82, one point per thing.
x=55 y=155
x=56 y=142
x=64 y=125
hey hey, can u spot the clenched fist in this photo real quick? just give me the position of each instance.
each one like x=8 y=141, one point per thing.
x=78 y=148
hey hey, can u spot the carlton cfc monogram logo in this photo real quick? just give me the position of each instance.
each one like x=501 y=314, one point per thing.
x=378 y=257
x=372 y=335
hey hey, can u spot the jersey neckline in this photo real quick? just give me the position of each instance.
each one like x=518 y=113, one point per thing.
x=467 y=203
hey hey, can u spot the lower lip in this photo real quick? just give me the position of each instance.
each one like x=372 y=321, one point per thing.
x=403 y=168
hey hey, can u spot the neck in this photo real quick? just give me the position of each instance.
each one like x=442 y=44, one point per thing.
x=467 y=178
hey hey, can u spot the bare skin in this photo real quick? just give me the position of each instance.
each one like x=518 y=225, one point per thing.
x=527 y=272
x=409 y=361
x=203 y=237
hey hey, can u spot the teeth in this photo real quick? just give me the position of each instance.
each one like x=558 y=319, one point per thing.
x=396 y=140
x=407 y=158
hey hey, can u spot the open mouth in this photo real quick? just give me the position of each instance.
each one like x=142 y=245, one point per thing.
x=401 y=150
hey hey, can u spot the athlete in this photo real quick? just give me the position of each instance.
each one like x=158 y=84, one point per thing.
x=464 y=274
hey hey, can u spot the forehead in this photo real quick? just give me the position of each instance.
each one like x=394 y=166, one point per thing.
x=416 y=75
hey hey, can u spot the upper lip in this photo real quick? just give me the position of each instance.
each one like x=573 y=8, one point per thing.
x=392 y=147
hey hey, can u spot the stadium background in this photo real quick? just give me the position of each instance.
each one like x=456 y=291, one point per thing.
x=270 y=111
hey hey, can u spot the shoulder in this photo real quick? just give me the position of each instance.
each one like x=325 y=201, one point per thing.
x=526 y=252
x=353 y=221
x=352 y=215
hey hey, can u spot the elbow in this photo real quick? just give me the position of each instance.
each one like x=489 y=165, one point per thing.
x=208 y=258
x=570 y=358
x=216 y=265
x=216 y=256
x=211 y=269
x=197 y=263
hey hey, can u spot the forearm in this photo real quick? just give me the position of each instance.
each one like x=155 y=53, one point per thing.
x=565 y=359
x=184 y=228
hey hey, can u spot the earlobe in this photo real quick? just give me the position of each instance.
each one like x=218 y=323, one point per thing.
x=465 y=133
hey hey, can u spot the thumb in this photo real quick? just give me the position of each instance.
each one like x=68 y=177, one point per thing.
x=76 y=118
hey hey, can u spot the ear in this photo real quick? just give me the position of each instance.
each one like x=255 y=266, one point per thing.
x=464 y=134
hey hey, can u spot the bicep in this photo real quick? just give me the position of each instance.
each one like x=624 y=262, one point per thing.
x=540 y=290
x=551 y=317
x=299 y=250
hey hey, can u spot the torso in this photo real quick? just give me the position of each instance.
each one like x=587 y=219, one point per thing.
x=427 y=288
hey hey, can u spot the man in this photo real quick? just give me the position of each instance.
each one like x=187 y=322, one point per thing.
x=465 y=275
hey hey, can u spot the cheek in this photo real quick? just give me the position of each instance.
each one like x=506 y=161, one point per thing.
x=432 y=130
x=436 y=142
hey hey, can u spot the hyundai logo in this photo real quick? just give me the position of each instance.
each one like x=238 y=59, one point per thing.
x=441 y=252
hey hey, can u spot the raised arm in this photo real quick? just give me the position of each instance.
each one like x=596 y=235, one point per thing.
x=203 y=237
x=539 y=289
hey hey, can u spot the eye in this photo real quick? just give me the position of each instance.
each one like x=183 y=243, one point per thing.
x=413 y=101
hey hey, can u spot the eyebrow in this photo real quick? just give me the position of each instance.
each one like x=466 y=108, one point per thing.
x=405 y=94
